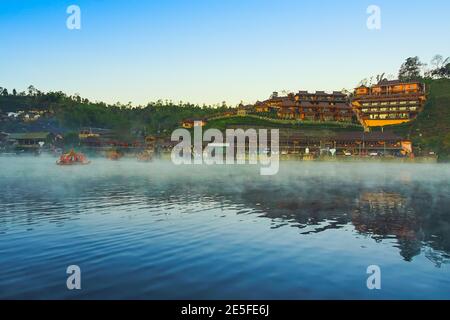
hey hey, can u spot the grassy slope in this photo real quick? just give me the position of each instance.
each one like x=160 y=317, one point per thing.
x=250 y=121
x=431 y=130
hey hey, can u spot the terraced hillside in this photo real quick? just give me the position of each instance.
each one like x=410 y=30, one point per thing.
x=252 y=121
x=431 y=130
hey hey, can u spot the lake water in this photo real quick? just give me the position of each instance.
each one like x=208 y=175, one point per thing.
x=158 y=231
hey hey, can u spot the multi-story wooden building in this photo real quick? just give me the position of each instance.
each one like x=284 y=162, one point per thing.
x=388 y=102
x=319 y=106
x=190 y=123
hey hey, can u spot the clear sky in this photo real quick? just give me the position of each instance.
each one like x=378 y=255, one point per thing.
x=208 y=51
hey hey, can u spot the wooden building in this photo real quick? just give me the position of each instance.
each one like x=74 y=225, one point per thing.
x=189 y=123
x=355 y=143
x=388 y=102
x=89 y=133
x=319 y=106
x=243 y=110
x=31 y=140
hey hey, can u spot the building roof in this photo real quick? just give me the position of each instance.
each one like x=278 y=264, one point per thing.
x=386 y=82
x=29 y=135
x=342 y=106
x=288 y=103
x=324 y=105
x=193 y=120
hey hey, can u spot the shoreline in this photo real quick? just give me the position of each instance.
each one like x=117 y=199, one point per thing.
x=165 y=156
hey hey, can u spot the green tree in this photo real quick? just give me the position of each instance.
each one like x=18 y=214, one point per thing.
x=31 y=90
x=411 y=69
x=441 y=67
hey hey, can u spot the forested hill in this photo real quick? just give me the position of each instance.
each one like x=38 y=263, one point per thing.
x=73 y=112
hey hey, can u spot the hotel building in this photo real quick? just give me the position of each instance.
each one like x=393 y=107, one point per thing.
x=319 y=106
x=388 y=102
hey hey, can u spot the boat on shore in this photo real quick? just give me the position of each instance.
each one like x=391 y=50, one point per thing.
x=72 y=158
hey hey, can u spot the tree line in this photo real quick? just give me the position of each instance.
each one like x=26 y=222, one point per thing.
x=74 y=112
x=413 y=69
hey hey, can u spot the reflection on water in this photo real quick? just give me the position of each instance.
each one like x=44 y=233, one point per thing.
x=160 y=231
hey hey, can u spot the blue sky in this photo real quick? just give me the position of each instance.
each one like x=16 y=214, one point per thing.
x=208 y=51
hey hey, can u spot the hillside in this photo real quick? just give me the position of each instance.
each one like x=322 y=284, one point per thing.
x=67 y=113
x=255 y=121
x=431 y=130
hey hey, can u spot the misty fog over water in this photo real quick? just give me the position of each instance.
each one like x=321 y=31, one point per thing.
x=160 y=231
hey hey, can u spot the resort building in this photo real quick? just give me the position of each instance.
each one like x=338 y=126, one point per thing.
x=319 y=106
x=31 y=140
x=243 y=110
x=189 y=123
x=89 y=133
x=356 y=143
x=388 y=102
